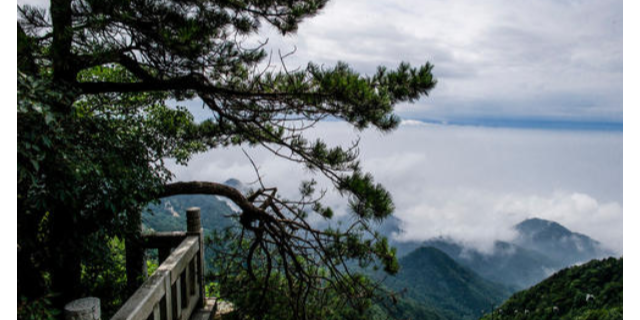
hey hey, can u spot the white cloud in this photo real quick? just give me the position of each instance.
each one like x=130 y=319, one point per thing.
x=469 y=183
x=545 y=59
x=36 y=3
x=579 y=212
x=478 y=218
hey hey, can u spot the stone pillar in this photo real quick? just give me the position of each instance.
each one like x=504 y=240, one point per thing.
x=194 y=228
x=83 y=309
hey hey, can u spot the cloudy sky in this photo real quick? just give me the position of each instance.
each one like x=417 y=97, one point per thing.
x=526 y=119
x=515 y=61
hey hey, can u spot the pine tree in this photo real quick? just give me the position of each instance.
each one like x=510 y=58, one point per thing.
x=93 y=130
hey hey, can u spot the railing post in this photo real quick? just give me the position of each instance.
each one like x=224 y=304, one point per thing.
x=82 y=309
x=194 y=227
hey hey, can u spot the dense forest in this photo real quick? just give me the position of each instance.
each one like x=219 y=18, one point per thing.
x=592 y=291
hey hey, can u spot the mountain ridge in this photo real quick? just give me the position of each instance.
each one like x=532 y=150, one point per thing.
x=432 y=278
x=556 y=241
x=540 y=248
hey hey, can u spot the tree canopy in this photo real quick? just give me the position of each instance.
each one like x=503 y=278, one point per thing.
x=94 y=131
x=589 y=291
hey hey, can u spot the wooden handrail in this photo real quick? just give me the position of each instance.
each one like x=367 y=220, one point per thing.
x=168 y=288
x=159 y=240
x=176 y=288
x=164 y=242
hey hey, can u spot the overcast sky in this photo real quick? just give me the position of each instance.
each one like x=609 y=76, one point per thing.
x=552 y=60
x=524 y=63
x=508 y=63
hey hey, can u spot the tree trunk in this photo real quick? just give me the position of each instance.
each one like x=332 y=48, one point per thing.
x=66 y=260
x=61 y=18
x=136 y=262
x=31 y=283
x=26 y=48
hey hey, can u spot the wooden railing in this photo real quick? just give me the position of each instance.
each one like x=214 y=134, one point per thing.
x=176 y=288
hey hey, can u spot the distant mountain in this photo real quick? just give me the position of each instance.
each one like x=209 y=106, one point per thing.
x=430 y=278
x=439 y=279
x=508 y=264
x=236 y=184
x=541 y=248
x=557 y=242
x=170 y=213
x=388 y=226
x=589 y=291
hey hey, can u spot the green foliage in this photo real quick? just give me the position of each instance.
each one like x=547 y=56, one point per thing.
x=104 y=275
x=26 y=47
x=601 y=314
x=369 y=201
x=265 y=291
x=564 y=294
x=37 y=309
x=91 y=145
x=152 y=266
x=94 y=132
x=388 y=256
x=97 y=162
x=407 y=308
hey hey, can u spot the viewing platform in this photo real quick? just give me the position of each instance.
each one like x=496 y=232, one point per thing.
x=175 y=291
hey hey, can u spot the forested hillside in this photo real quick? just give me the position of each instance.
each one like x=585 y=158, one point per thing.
x=429 y=279
x=433 y=284
x=592 y=291
x=514 y=266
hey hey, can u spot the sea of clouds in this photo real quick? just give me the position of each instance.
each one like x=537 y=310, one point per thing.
x=469 y=183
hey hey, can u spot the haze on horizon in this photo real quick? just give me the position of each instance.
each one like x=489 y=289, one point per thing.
x=469 y=183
